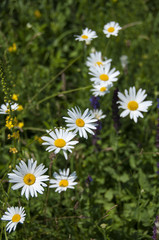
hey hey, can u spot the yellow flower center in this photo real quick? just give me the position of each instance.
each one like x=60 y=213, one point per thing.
x=103 y=89
x=16 y=218
x=80 y=122
x=111 y=29
x=98 y=63
x=133 y=105
x=29 y=179
x=84 y=36
x=104 y=77
x=97 y=116
x=59 y=143
x=63 y=183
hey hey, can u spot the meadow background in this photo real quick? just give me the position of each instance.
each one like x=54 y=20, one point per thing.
x=47 y=61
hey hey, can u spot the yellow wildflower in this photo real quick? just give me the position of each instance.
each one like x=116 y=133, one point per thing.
x=20 y=124
x=13 y=48
x=15 y=122
x=15 y=97
x=10 y=49
x=9 y=136
x=9 y=122
x=37 y=14
x=13 y=150
x=16 y=135
x=20 y=108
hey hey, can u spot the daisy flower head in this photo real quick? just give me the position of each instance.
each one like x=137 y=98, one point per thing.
x=5 y=109
x=63 y=181
x=60 y=139
x=103 y=74
x=133 y=103
x=79 y=122
x=95 y=59
x=14 y=215
x=101 y=89
x=87 y=35
x=29 y=177
x=98 y=114
x=111 y=28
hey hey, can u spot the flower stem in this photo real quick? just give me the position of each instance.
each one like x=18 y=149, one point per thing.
x=5 y=234
x=63 y=92
x=52 y=80
x=48 y=189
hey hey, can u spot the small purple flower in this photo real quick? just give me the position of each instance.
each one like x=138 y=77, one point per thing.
x=95 y=102
x=157 y=167
x=89 y=180
x=158 y=103
x=154 y=237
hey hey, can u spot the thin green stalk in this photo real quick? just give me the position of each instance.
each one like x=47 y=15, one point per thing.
x=104 y=234
x=63 y=92
x=106 y=49
x=34 y=129
x=9 y=187
x=5 y=234
x=1 y=231
x=2 y=188
x=131 y=24
x=48 y=189
x=85 y=52
x=48 y=83
x=28 y=209
x=138 y=213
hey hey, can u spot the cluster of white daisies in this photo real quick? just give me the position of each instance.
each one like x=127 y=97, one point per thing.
x=30 y=177
x=110 y=29
x=103 y=76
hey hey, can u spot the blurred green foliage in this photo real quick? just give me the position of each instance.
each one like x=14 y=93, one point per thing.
x=47 y=61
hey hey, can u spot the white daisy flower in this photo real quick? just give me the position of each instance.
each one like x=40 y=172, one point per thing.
x=87 y=35
x=30 y=178
x=133 y=103
x=79 y=122
x=124 y=61
x=60 y=139
x=98 y=114
x=103 y=74
x=111 y=28
x=4 y=109
x=101 y=89
x=95 y=59
x=63 y=180
x=14 y=215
